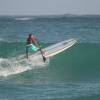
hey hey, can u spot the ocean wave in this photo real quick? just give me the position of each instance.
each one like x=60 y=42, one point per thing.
x=24 y=18
x=82 y=56
x=19 y=64
x=2 y=39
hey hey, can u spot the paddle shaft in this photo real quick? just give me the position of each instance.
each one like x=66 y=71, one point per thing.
x=44 y=58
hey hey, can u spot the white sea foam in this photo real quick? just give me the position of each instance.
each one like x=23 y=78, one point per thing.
x=19 y=64
x=23 y=18
x=1 y=39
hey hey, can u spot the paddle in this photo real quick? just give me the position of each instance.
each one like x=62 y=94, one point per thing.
x=44 y=58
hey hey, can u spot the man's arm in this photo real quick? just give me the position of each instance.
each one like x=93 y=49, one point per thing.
x=35 y=41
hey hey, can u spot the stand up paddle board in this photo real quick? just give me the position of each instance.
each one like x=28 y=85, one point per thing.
x=56 y=48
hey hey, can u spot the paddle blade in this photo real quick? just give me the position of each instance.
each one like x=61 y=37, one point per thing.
x=44 y=59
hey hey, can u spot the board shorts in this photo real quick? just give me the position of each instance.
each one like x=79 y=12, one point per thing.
x=31 y=48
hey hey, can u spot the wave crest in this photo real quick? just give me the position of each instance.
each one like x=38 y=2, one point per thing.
x=19 y=64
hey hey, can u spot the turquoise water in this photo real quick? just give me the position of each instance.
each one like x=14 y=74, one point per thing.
x=71 y=75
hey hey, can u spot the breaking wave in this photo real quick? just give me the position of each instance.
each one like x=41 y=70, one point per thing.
x=19 y=64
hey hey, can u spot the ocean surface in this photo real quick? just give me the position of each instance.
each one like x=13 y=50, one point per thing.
x=71 y=75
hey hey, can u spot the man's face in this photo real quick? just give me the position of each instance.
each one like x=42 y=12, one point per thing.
x=32 y=36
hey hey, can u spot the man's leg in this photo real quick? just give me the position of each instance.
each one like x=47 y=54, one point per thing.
x=26 y=52
x=27 y=55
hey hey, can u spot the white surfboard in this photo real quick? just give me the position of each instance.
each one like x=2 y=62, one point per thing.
x=56 y=48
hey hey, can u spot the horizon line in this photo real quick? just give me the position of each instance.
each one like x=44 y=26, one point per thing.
x=51 y=15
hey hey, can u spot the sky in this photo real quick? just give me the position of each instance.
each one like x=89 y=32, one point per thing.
x=49 y=7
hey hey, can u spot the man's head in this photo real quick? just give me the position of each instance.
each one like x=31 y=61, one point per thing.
x=30 y=35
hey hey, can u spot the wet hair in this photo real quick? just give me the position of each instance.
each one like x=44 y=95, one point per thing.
x=30 y=35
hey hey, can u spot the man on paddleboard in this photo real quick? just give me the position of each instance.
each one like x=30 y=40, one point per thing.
x=32 y=45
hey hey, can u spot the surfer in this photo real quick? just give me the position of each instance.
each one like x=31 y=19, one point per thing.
x=33 y=46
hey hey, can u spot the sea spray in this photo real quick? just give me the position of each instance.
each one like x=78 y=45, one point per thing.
x=17 y=65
